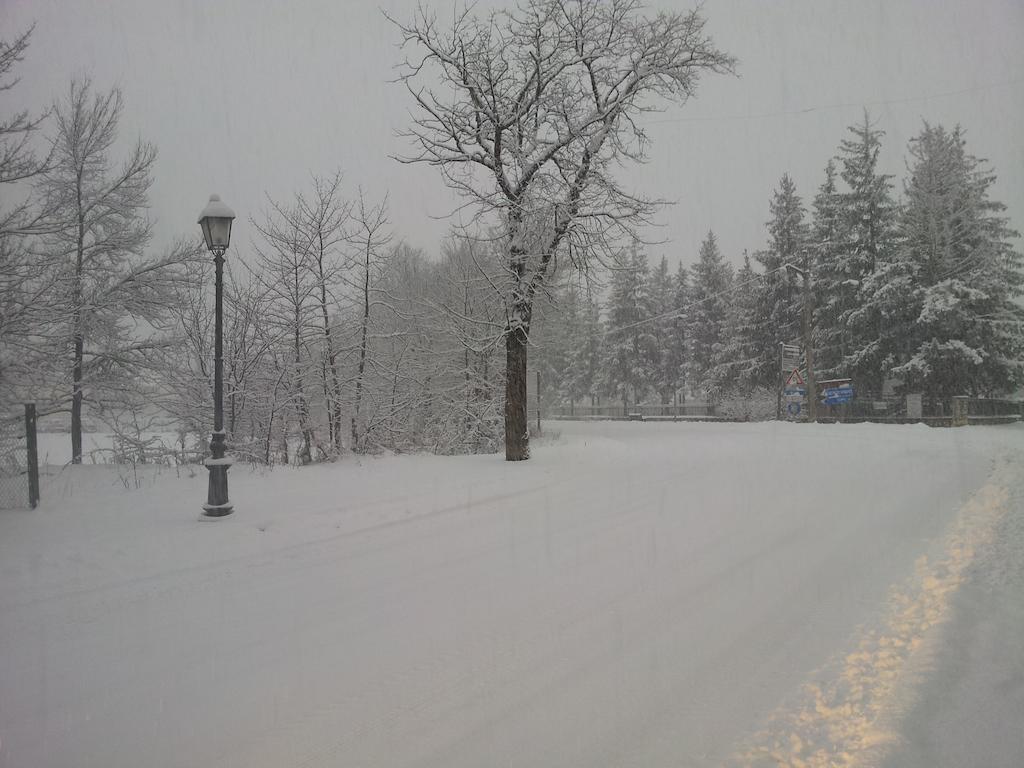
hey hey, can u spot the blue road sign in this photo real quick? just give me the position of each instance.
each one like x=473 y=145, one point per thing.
x=838 y=395
x=837 y=400
x=793 y=409
x=837 y=391
x=795 y=391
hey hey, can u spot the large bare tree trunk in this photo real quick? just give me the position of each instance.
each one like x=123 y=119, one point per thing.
x=517 y=440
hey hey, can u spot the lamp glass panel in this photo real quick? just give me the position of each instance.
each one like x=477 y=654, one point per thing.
x=217 y=231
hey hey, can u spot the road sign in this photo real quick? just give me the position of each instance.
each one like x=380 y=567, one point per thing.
x=838 y=395
x=795 y=391
x=790 y=358
x=837 y=400
x=793 y=408
x=794 y=378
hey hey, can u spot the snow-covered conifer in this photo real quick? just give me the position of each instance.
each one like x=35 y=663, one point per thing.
x=964 y=333
x=707 y=317
x=631 y=346
x=666 y=371
x=777 y=312
x=868 y=216
x=738 y=364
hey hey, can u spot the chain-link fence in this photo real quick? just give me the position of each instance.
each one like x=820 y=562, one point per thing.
x=19 y=461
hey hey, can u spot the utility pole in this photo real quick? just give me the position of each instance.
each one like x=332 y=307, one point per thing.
x=538 y=402
x=811 y=384
x=782 y=381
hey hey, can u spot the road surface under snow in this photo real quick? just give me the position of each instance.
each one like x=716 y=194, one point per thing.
x=635 y=595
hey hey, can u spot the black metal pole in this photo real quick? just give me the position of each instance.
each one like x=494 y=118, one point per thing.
x=808 y=323
x=217 y=503
x=782 y=381
x=32 y=449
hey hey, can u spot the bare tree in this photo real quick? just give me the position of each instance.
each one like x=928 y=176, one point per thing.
x=404 y=359
x=287 y=276
x=324 y=216
x=113 y=294
x=18 y=159
x=186 y=376
x=467 y=286
x=370 y=237
x=248 y=339
x=23 y=287
x=536 y=107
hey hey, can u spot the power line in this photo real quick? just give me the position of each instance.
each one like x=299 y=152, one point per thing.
x=847 y=105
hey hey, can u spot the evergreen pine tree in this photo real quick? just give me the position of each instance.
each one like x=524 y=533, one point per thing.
x=677 y=346
x=712 y=278
x=963 y=333
x=778 y=303
x=584 y=373
x=666 y=362
x=738 y=367
x=577 y=350
x=631 y=345
x=868 y=216
x=830 y=332
x=553 y=336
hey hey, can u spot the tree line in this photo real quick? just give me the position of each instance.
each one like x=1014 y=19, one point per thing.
x=917 y=292
x=340 y=336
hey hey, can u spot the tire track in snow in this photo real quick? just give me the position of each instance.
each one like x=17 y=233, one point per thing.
x=214 y=569
x=850 y=716
x=524 y=667
x=431 y=689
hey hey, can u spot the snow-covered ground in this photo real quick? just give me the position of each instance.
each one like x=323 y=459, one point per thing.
x=636 y=595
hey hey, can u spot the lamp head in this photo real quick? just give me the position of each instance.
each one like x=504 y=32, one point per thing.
x=216 y=221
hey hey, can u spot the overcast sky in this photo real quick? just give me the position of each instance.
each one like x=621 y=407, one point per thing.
x=248 y=97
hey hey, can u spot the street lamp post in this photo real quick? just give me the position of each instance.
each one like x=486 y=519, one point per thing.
x=216 y=221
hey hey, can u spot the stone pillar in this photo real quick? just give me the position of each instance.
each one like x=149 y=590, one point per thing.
x=914 y=409
x=960 y=411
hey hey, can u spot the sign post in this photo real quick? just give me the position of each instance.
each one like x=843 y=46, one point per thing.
x=795 y=392
x=790 y=358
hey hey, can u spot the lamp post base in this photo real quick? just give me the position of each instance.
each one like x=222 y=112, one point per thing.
x=217 y=503
x=217 y=510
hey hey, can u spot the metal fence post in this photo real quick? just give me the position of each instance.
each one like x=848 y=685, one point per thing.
x=32 y=451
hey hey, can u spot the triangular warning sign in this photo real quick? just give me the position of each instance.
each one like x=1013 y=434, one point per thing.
x=795 y=378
